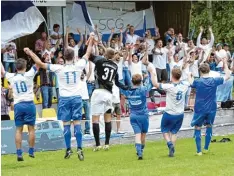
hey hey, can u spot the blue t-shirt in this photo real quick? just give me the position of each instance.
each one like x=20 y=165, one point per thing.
x=138 y=100
x=206 y=94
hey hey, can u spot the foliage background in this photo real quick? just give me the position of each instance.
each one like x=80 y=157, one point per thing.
x=222 y=20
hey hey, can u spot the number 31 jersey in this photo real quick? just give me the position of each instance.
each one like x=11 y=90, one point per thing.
x=105 y=72
x=68 y=77
x=22 y=85
x=175 y=97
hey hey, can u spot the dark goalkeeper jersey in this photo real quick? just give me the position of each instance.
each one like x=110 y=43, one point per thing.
x=106 y=73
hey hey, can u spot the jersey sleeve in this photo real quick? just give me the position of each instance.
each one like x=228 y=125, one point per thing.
x=165 y=87
x=119 y=84
x=219 y=81
x=81 y=64
x=32 y=72
x=9 y=76
x=54 y=67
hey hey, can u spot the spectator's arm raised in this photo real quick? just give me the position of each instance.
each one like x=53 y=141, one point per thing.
x=199 y=37
x=81 y=38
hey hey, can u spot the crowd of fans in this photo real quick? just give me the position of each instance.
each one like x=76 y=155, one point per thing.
x=132 y=54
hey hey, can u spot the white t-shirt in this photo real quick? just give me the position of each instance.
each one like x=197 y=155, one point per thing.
x=69 y=77
x=115 y=94
x=120 y=68
x=135 y=68
x=185 y=73
x=151 y=45
x=53 y=41
x=22 y=85
x=175 y=97
x=160 y=61
x=131 y=39
x=221 y=54
x=83 y=89
x=194 y=69
x=91 y=78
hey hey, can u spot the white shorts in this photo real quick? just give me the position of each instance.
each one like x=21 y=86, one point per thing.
x=101 y=101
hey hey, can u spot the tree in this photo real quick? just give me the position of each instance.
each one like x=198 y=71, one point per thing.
x=222 y=20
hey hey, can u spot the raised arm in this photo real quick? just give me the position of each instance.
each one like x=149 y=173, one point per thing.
x=226 y=70
x=199 y=37
x=211 y=38
x=35 y=58
x=66 y=37
x=111 y=35
x=90 y=70
x=81 y=38
x=119 y=84
x=89 y=49
x=130 y=48
x=121 y=37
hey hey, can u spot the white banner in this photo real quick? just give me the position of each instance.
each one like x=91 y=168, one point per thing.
x=106 y=19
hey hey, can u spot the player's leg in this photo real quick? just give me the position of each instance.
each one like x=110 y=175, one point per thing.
x=97 y=108
x=209 y=122
x=137 y=128
x=107 y=119
x=145 y=127
x=96 y=131
x=166 y=125
x=64 y=113
x=30 y=119
x=18 y=142
x=178 y=120
x=31 y=140
x=86 y=107
x=76 y=112
x=197 y=122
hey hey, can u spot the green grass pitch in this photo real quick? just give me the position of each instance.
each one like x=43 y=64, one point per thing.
x=121 y=160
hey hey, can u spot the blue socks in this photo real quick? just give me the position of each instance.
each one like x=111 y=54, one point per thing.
x=31 y=151
x=67 y=136
x=19 y=152
x=78 y=135
x=169 y=144
x=208 y=137
x=197 y=135
x=139 y=149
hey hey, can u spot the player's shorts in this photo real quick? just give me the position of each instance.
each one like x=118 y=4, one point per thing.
x=101 y=101
x=70 y=108
x=117 y=109
x=171 y=123
x=200 y=119
x=25 y=113
x=140 y=123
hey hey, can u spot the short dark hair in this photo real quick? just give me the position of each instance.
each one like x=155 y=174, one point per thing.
x=158 y=40
x=136 y=79
x=20 y=64
x=176 y=73
x=204 y=68
x=55 y=26
x=69 y=54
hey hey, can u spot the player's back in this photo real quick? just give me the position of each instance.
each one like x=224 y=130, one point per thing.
x=206 y=93
x=22 y=85
x=69 y=77
x=138 y=100
x=175 y=97
x=105 y=72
